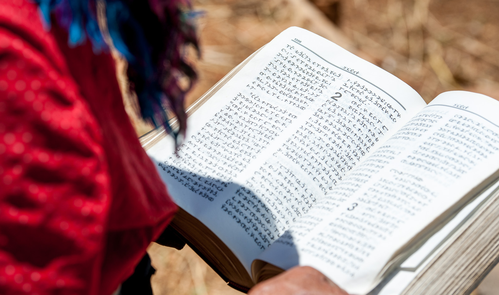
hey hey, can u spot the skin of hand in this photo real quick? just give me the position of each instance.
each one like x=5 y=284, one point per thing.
x=301 y=280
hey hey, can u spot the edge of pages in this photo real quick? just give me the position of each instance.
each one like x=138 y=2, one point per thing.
x=441 y=240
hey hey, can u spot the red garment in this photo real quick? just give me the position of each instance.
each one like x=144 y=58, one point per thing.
x=79 y=199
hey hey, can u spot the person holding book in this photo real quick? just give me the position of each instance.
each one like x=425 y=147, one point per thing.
x=80 y=200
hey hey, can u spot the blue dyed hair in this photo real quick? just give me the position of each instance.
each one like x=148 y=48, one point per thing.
x=150 y=35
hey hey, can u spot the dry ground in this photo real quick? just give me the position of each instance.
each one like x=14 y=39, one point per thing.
x=433 y=45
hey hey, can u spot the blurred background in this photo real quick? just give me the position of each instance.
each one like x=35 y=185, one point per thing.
x=433 y=45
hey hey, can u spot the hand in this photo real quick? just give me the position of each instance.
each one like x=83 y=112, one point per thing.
x=302 y=280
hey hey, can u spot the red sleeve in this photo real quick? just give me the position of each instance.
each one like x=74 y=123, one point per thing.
x=54 y=185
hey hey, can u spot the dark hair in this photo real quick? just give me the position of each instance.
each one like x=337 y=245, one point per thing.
x=150 y=34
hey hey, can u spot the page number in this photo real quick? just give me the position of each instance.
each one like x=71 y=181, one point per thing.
x=336 y=96
x=354 y=205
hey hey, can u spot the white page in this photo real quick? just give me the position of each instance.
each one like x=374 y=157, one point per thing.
x=234 y=164
x=405 y=185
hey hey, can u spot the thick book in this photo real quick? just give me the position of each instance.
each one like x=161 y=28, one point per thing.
x=305 y=154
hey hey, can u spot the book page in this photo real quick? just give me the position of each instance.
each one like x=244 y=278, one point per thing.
x=280 y=135
x=415 y=179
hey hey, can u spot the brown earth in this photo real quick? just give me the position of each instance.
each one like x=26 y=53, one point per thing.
x=433 y=45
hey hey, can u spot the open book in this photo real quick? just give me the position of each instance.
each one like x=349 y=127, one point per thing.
x=308 y=155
